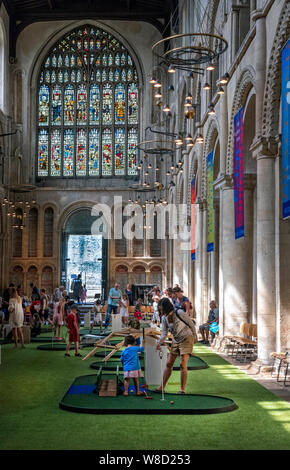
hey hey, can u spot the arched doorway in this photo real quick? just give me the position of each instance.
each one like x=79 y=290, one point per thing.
x=84 y=253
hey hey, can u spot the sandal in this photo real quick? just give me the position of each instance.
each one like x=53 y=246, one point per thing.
x=68 y=355
x=125 y=394
x=78 y=355
x=181 y=392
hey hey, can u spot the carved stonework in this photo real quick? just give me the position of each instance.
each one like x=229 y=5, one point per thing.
x=271 y=110
x=244 y=85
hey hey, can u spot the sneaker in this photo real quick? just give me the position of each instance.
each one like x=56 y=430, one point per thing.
x=78 y=355
x=67 y=355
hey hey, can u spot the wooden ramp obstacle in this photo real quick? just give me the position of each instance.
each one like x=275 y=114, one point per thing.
x=105 y=342
x=106 y=385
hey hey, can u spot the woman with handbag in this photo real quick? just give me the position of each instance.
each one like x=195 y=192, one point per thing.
x=182 y=328
x=16 y=317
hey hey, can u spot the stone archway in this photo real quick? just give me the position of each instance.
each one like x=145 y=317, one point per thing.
x=84 y=253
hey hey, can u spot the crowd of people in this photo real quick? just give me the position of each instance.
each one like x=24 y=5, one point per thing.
x=172 y=312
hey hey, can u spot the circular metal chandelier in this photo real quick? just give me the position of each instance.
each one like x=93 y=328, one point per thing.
x=191 y=51
x=157 y=147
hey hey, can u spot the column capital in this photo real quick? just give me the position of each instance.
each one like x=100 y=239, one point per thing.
x=223 y=182
x=265 y=148
x=257 y=15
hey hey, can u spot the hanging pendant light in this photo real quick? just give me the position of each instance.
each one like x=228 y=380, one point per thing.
x=199 y=139
x=210 y=67
x=206 y=86
x=211 y=110
x=224 y=80
x=220 y=91
x=171 y=69
x=166 y=109
x=152 y=80
x=157 y=84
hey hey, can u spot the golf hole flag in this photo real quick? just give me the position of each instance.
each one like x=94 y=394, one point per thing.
x=239 y=173
x=209 y=191
x=192 y=214
x=286 y=130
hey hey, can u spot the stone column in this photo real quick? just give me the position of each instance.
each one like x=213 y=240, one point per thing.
x=223 y=131
x=235 y=32
x=260 y=68
x=237 y=257
x=204 y=265
x=186 y=254
x=197 y=263
x=266 y=265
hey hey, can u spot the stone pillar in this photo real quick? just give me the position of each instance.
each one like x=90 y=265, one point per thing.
x=186 y=197
x=260 y=68
x=235 y=32
x=266 y=265
x=223 y=131
x=197 y=263
x=204 y=263
x=236 y=258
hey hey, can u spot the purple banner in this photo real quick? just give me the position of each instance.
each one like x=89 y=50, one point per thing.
x=239 y=173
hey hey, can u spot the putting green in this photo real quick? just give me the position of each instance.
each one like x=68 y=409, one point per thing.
x=53 y=347
x=194 y=363
x=82 y=397
x=45 y=339
x=103 y=353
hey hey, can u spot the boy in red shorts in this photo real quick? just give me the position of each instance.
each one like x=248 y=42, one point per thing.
x=73 y=330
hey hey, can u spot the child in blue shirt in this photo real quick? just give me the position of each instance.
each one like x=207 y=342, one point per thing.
x=131 y=364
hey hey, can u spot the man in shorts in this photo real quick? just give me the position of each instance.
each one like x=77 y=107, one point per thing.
x=213 y=316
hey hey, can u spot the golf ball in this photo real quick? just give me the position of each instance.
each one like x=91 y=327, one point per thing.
x=171 y=403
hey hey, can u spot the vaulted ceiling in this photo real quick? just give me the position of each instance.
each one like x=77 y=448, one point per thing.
x=24 y=12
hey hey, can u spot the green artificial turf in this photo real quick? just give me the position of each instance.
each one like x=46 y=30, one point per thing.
x=80 y=399
x=194 y=362
x=33 y=382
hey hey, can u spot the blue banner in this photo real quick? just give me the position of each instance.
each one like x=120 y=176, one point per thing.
x=239 y=174
x=285 y=97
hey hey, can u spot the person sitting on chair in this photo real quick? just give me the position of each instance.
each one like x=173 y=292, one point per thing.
x=213 y=316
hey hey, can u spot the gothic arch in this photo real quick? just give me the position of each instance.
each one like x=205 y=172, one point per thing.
x=33 y=77
x=245 y=83
x=271 y=108
x=210 y=140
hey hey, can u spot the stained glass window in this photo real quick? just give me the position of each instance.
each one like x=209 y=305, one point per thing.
x=43 y=152
x=132 y=151
x=68 y=157
x=55 y=152
x=107 y=152
x=88 y=107
x=43 y=116
x=94 y=152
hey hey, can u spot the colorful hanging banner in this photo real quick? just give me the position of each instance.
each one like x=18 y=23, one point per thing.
x=209 y=191
x=192 y=213
x=239 y=173
x=286 y=130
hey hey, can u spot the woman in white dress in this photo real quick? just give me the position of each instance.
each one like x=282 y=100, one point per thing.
x=16 y=316
x=124 y=309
